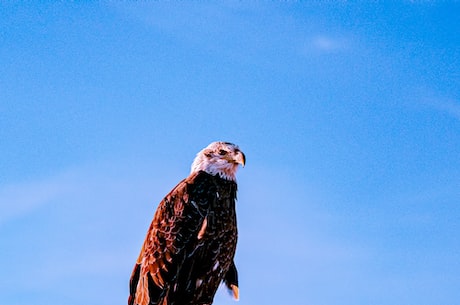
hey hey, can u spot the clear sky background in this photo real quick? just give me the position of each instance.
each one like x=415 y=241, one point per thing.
x=349 y=115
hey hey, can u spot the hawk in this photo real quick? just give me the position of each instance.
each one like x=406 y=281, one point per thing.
x=191 y=242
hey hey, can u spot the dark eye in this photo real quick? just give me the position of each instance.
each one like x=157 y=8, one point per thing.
x=222 y=152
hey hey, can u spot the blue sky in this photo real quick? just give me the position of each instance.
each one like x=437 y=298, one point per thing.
x=348 y=113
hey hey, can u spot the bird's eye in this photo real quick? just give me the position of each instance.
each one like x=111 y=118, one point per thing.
x=222 y=152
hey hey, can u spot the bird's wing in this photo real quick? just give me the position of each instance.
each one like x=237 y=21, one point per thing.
x=173 y=235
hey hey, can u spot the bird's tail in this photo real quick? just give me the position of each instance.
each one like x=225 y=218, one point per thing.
x=231 y=281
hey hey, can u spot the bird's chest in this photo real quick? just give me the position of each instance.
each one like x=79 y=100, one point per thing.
x=221 y=217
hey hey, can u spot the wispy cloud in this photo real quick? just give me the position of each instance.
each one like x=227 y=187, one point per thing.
x=428 y=99
x=85 y=224
x=325 y=43
x=22 y=198
x=86 y=183
x=449 y=106
x=247 y=32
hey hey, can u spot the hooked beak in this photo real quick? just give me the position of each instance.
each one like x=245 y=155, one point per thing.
x=240 y=158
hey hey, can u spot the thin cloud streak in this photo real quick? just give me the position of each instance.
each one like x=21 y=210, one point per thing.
x=22 y=198
x=85 y=224
x=451 y=107
x=329 y=44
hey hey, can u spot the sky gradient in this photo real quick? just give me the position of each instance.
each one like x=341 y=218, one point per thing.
x=348 y=114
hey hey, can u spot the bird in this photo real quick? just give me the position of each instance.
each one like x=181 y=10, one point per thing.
x=190 y=245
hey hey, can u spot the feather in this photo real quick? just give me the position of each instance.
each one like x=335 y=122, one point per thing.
x=203 y=228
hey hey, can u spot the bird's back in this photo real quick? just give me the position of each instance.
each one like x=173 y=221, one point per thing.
x=190 y=245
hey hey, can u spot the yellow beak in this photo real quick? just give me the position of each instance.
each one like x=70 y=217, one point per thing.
x=240 y=158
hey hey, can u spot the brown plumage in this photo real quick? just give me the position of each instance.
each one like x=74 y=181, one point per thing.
x=191 y=242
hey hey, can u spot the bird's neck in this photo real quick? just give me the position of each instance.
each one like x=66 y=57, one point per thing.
x=226 y=171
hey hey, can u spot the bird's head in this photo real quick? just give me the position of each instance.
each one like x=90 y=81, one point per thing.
x=219 y=158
